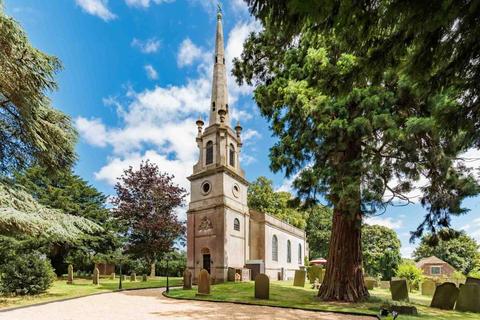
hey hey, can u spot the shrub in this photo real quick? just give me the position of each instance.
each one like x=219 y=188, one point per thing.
x=410 y=272
x=313 y=272
x=26 y=273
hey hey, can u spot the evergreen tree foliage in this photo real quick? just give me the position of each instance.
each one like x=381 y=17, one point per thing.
x=31 y=131
x=461 y=252
x=318 y=230
x=65 y=191
x=359 y=134
x=263 y=198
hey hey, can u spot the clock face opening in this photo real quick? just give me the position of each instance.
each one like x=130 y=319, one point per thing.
x=206 y=187
x=236 y=190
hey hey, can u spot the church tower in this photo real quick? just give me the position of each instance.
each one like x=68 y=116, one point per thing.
x=218 y=217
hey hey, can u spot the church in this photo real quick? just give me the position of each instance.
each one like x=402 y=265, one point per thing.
x=222 y=232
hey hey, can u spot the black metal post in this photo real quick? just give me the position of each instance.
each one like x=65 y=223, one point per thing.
x=120 y=281
x=168 y=288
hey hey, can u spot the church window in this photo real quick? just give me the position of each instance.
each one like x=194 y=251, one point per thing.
x=299 y=253
x=216 y=59
x=232 y=155
x=213 y=106
x=236 y=224
x=223 y=60
x=274 y=248
x=209 y=153
x=289 y=251
x=236 y=190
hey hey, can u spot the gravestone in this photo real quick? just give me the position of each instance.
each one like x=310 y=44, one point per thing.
x=399 y=290
x=238 y=277
x=187 y=280
x=245 y=273
x=70 y=274
x=144 y=278
x=299 y=280
x=112 y=276
x=133 y=277
x=370 y=283
x=262 y=286
x=123 y=277
x=203 y=283
x=231 y=274
x=472 y=280
x=322 y=275
x=96 y=276
x=445 y=296
x=316 y=284
x=428 y=287
x=384 y=284
x=469 y=298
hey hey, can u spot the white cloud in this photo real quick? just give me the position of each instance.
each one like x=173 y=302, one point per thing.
x=151 y=72
x=97 y=8
x=386 y=222
x=240 y=115
x=250 y=134
x=406 y=251
x=146 y=46
x=144 y=3
x=93 y=131
x=246 y=159
x=189 y=53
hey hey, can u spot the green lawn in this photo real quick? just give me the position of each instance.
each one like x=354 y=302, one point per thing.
x=282 y=293
x=83 y=287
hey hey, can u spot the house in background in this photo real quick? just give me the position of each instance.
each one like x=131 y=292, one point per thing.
x=435 y=267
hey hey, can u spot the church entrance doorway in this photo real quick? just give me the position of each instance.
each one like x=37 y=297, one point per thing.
x=206 y=262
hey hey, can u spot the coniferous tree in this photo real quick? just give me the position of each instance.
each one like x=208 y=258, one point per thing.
x=359 y=134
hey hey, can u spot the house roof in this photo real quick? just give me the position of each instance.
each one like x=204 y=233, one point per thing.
x=429 y=260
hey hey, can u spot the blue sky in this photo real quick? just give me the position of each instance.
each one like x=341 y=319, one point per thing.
x=136 y=77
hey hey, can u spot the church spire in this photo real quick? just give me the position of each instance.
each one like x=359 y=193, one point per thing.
x=219 y=103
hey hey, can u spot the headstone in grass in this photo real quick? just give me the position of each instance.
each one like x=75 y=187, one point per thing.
x=112 y=276
x=123 y=277
x=203 y=283
x=262 y=286
x=144 y=278
x=96 y=276
x=428 y=287
x=231 y=274
x=399 y=290
x=469 y=298
x=238 y=277
x=472 y=280
x=133 y=277
x=299 y=279
x=370 y=283
x=70 y=274
x=246 y=274
x=384 y=284
x=187 y=280
x=445 y=296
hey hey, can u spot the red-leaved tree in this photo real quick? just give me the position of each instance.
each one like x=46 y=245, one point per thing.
x=145 y=205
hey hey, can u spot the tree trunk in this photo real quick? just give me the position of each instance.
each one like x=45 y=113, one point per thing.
x=344 y=276
x=152 y=270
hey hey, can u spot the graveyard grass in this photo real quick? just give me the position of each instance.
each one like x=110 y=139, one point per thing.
x=283 y=293
x=84 y=287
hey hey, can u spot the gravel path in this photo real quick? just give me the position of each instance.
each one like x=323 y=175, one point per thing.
x=150 y=304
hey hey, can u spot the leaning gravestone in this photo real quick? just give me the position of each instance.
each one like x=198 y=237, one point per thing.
x=469 y=298
x=472 y=280
x=445 y=296
x=133 y=277
x=96 y=276
x=428 y=287
x=299 y=279
x=262 y=286
x=203 y=283
x=144 y=278
x=399 y=290
x=70 y=274
x=231 y=274
x=187 y=280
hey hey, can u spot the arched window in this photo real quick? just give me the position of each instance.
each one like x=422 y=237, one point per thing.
x=209 y=154
x=236 y=224
x=232 y=155
x=274 y=248
x=213 y=105
x=300 y=253
x=289 y=251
